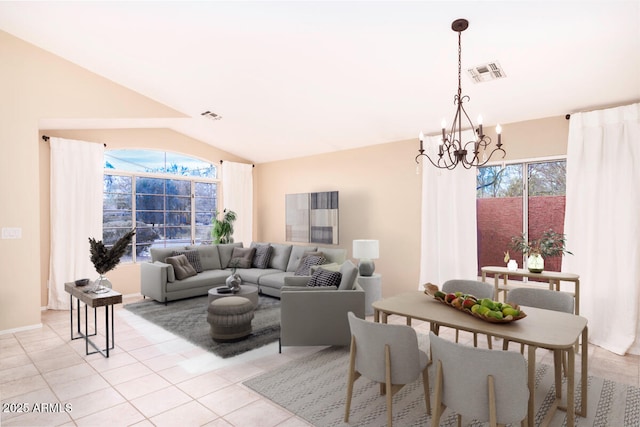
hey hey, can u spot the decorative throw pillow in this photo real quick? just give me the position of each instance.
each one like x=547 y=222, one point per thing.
x=194 y=258
x=262 y=256
x=181 y=266
x=325 y=278
x=241 y=257
x=304 y=269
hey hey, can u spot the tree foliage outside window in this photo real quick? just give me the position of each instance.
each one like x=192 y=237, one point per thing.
x=170 y=204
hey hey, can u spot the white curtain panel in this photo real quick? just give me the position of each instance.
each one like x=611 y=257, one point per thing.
x=237 y=195
x=76 y=213
x=449 y=230
x=602 y=223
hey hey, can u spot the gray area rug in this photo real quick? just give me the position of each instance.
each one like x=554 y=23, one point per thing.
x=315 y=388
x=188 y=319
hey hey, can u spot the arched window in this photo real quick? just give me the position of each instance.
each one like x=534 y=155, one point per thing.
x=168 y=197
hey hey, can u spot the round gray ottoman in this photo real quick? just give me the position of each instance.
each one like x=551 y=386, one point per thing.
x=230 y=318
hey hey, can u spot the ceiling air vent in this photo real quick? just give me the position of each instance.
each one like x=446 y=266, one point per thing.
x=486 y=72
x=209 y=115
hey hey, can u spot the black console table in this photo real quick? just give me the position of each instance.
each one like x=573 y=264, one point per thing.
x=93 y=300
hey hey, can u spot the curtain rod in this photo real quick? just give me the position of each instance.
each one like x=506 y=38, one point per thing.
x=253 y=166
x=46 y=138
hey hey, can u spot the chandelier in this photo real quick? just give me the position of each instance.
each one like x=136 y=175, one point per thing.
x=452 y=151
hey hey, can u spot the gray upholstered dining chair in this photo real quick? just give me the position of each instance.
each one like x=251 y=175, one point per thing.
x=541 y=298
x=472 y=287
x=388 y=355
x=477 y=383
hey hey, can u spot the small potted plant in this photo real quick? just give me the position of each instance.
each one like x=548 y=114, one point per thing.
x=550 y=244
x=105 y=260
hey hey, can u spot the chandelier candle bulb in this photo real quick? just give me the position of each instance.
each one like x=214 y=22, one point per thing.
x=421 y=137
x=480 y=126
x=499 y=132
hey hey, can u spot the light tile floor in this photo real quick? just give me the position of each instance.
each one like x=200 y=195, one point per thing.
x=153 y=377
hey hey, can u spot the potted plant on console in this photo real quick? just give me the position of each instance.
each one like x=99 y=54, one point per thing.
x=550 y=244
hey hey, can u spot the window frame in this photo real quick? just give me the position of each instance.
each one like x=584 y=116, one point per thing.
x=193 y=180
x=525 y=189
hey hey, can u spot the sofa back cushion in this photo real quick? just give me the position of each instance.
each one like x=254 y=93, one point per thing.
x=181 y=266
x=297 y=252
x=159 y=254
x=209 y=256
x=280 y=256
x=349 y=275
x=336 y=255
x=226 y=250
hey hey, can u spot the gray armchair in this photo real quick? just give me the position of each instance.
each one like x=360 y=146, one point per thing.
x=311 y=316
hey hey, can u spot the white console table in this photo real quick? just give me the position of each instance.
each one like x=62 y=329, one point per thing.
x=372 y=286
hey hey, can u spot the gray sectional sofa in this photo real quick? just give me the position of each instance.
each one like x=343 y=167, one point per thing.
x=160 y=279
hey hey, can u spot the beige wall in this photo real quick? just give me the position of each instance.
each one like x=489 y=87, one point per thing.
x=379 y=189
x=379 y=193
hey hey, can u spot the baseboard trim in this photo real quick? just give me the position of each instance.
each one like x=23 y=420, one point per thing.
x=21 y=329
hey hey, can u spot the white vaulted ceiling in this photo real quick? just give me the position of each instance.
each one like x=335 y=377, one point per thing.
x=299 y=78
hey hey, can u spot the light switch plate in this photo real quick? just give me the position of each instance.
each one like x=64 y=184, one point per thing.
x=11 y=233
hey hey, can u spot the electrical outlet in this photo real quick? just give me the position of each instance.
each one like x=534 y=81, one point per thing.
x=11 y=233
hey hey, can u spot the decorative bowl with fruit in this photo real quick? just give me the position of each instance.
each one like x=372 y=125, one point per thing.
x=483 y=308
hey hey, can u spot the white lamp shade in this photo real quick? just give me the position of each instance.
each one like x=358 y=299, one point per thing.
x=366 y=249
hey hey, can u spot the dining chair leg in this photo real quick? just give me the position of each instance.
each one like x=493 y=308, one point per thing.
x=351 y=378
x=438 y=407
x=493 y=412
x=388 y=386
x=425 y=383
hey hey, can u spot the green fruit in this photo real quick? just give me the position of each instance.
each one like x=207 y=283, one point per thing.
x=505 y=305
x=458 y=294
x=495 y=314
x=509 y=311
x=488 y=302
x=475 y=308
x=483 y=310
x=439 y=295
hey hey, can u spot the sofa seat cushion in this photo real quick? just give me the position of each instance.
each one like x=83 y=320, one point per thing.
x=253 y=275
x=275 y=280
x=208 y=278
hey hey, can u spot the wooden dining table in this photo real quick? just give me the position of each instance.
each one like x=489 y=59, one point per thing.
x=553 y=330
